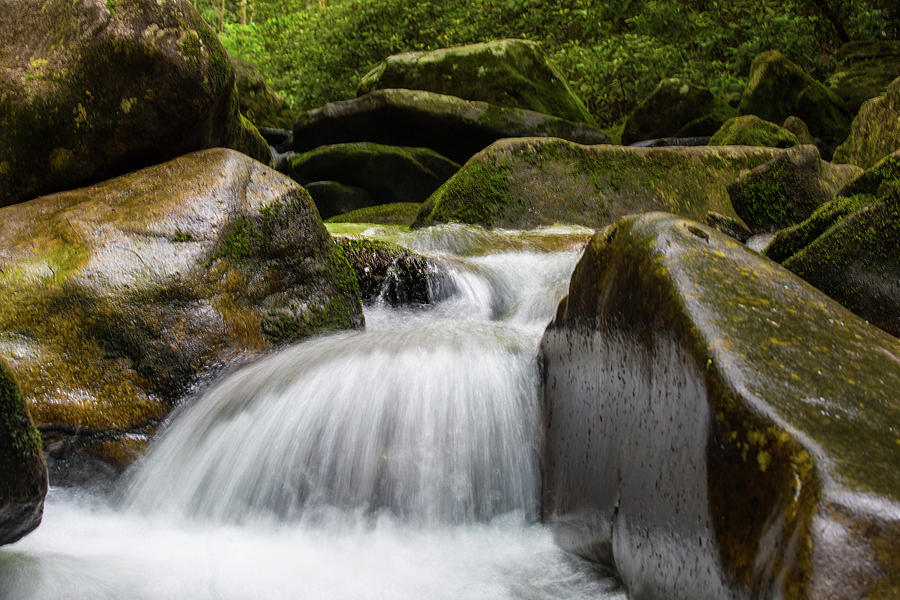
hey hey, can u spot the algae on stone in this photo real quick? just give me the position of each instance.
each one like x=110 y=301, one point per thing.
x=750 y=130
x=395 y=213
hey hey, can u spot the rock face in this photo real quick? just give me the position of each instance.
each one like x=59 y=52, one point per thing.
x=864 y=70
x=675 y=108
x=259 y=102
x=875 y=132
x=511 y=73
x=388 y=272
x=750 y=130
x=777 y=89
x=386 y=173
x=716 y=427
x=114 y=299
x=787 y=189
x=23 y=472
x=453 y=127
x=524 y=183
x=92 y=89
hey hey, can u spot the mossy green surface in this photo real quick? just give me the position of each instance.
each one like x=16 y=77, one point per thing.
x=750 y=130
x=393 y=213
x=875 y=132
x=259 y=102
x=864 y=70
x=676 y=108
x=791 y=240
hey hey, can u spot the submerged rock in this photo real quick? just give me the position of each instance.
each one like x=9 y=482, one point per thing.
x=529 y=182
x=23 y=473
x=875 y=132
x=864 y=70
x=511 y=73
x=258 y=102
x=89 y=90
x=120 y=296
x=451 y=126
x=750 y=130
x=676 y=108
x=715 y=426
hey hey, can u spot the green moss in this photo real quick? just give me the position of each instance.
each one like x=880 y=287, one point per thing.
x=394 y=213
x=750 y=130
x=791 y=240
x=480 y=194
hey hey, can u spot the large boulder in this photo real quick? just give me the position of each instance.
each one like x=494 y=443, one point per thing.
x=511 y=73
x=259 y=102
x=451 y=126
x=788 y=188
x=395 y=213
x=778 y=88
x=115 y=299
x=387 y=173
x=875 y=132
x=91 y=89
x=529 y=182
x=334 y=198
x=864 y=70
x=676 y=108
x=23 y=472
x=715 y=426
x=750 y=130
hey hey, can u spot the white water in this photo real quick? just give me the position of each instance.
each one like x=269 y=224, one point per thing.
x=396 y=462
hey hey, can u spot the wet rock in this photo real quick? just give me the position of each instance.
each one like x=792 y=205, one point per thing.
x=511 y=73
x=787 y=189
x=334 y=198
x=389 y=272
x=864 y=70
x=117 y=298
x=875 y=132
x=750 y=130
x=23 y=473
x=529 y=182
x=258 y=102
x=395 y=213
x=448 y=125
x=90 y=90
x=386 y=173
x=729 y=226
x=676 y=108
x=715 y=426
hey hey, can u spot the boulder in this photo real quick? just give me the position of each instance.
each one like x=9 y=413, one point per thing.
x=258 y=102
x=676 y=108
x=388 y=272
x=387 y=173
x=796 y=126
x=730 y=226
x=750 y=130
x=115 y=299
x=864 y=70
x=511 y=73
x=715 y=427
x=23 y=472
x=92 y=89
x=788 y=188
x=395 y=213
x=791 y=240
x=778 y=88
x=886 y=172
x=530 y=182
x=451 y=126
x=875 y=132
x=334 y=198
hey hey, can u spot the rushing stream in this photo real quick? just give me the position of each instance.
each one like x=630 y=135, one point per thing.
x=396 y=462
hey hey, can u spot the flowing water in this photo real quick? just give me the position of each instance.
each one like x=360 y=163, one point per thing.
x=396 y=462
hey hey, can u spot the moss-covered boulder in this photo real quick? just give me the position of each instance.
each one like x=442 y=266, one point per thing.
x=676 y=108
x=875 y=132
x=23 y=472
x=389 y=272
x=715 y=426
x=395 y=213
x=796 y=126
x=92 y=89
x=116 y=298
x=529 y=182
x=750 y=130
x=886 y=172
x=778 y=88
x=788 y=188
x=864 y=70
x=511 y=73
x=334 y=198
x=258 y=102
x=451 y=126
x=387 y=173
x=730 y=226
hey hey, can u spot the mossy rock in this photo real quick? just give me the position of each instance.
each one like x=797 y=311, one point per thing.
x=864 y=70
x=796 y=126
x=258 y=102
x=750 y=130
x=676 y=108
x=730 y=226
x=715 y=426
x=89 y=90
x=386 y=173
x=778 y=88
x=530 y=182
x=23 y=473
x=334 y=198
x=886 y=172
x=787 y=189
x=395 y=213
x=856 y=260
x=388 y=272
x=875 y=132
x=451 y=126
x=118 y=297
x=511 y=73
